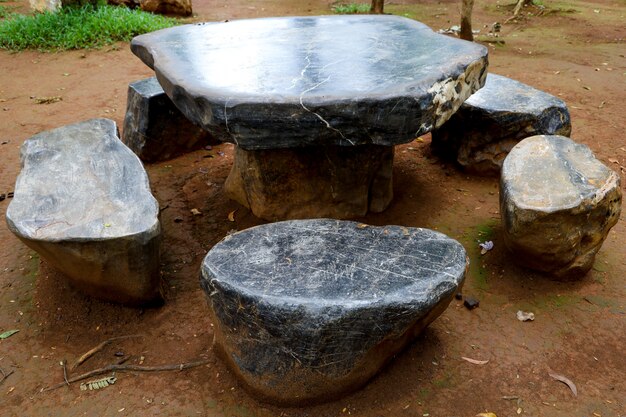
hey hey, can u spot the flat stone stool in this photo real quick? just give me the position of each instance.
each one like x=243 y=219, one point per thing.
x=307 y=310
x=494 y=119
x=558 y=203
x=83 y=202
x=154 y=128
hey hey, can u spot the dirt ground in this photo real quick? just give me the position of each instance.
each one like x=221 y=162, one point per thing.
x=574 y=49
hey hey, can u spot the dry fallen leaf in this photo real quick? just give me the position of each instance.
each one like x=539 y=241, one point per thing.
x=613 y=160
x=47 y=100
x=474 y=361
x=361 y=226
x=195 y=212
x=486 y=415
x=525 y=315
x=231 y=216
x=485 y=247
x=566 y=381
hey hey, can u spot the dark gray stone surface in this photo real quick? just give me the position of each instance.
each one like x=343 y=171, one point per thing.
x=494 y=119
x=83 y=202
x=297 y=81
x=306 y=310
x=154 y=128
x=558 y=203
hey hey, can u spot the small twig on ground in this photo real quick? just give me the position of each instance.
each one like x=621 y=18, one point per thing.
x=64 y=363
x=4 y=376
x=129 y=368
x=492 y=41
x=97 y=349
x=518 y=8
x=122 y=360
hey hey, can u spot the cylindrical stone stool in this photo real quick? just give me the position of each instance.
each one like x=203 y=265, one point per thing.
x=307 y=310
x=558 y=203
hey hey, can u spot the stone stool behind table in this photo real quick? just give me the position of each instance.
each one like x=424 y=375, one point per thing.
x=494 y=119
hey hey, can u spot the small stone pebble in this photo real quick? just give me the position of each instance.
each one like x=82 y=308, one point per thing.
x=2 y=197
x=178 y=219
x=471 y=303
x=459 y=296
x=119 y=354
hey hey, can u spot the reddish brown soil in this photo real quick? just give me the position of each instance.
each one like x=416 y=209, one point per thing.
x=579 y=327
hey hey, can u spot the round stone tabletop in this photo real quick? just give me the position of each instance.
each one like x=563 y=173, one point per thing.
x=331 y=80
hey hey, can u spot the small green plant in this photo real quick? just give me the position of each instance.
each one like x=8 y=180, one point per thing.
x=77 y=27
x=351 y=8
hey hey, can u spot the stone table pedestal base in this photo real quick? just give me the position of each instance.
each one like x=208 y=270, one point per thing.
x=312 y=182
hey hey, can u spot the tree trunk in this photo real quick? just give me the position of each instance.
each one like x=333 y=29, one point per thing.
x=377 y=6
x=466 y=20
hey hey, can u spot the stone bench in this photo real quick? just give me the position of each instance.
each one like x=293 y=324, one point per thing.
x=154 y=128
x=83 y=202
x=558 y=203
x=493 y=120
x=307 y=310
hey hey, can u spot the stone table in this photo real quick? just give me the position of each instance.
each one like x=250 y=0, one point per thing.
x=314 y=104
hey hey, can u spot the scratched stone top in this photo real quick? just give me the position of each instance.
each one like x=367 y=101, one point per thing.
x=296 y=81
x=80 y=182
x=333 y=262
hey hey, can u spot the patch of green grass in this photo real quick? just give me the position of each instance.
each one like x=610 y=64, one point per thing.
x=423 y=394
x=411 y=11
x=471 y=238
x=78 y=27
x=351 y=8
x=560 y=301
x=6 y=11
x=444 y=382
x=550 y=302
x=34 y=265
